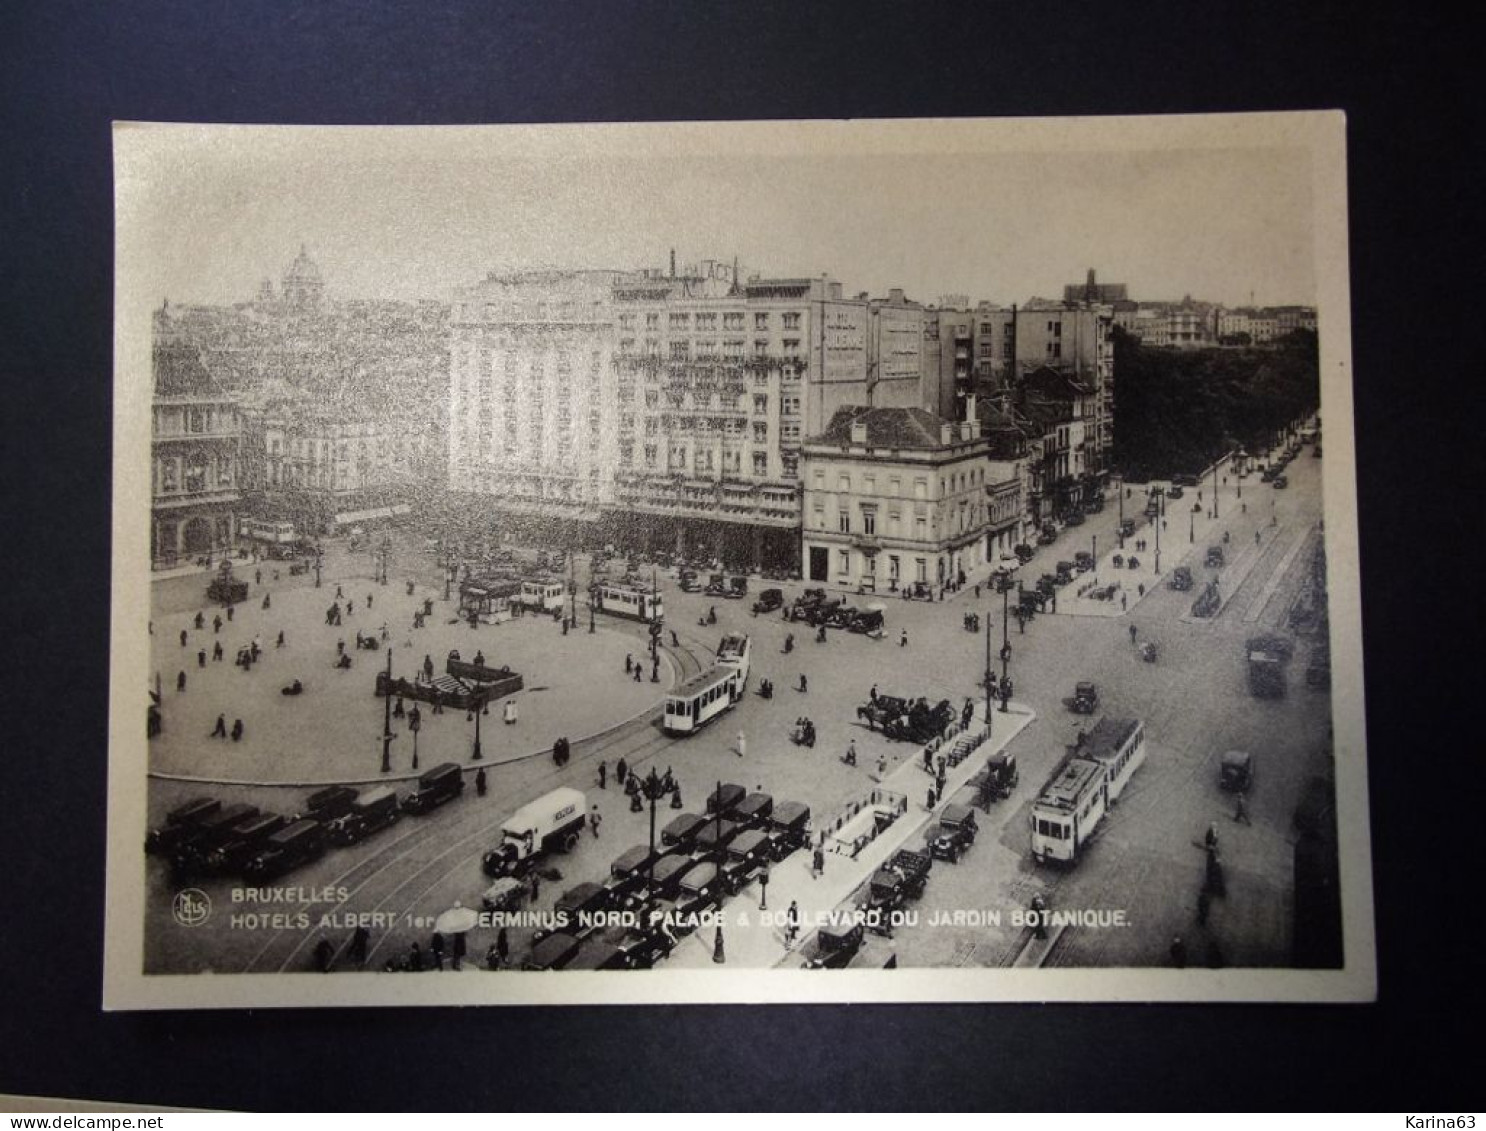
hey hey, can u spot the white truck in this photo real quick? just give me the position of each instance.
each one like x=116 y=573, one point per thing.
x=551 y=823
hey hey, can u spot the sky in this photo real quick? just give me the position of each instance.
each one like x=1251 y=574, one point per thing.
x=406 y=213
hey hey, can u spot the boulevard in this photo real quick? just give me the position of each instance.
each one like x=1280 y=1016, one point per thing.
x=1147 y=860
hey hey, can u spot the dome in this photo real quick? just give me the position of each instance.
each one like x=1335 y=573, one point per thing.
x=303 y=269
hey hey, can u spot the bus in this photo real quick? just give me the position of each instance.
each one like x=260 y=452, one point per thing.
x=702 y=698
x=629 y=601
x=736 y=651
x=1084 y=787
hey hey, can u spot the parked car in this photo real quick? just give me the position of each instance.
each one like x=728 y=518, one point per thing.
x=1214 y=557
x=1175 y=493
x=1075 y=518
x=1086 y=698
x=1127 y=528
x=1181 y=579
x=769 y=600
x=1280 y=482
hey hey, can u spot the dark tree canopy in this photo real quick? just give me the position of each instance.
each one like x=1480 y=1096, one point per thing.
x=1177 y=410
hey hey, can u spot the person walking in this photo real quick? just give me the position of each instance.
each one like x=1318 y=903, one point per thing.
x=1133 y=633
x=217 y=623
x=461 y=946
x=356 y=952
x=851 y=752
x=818 y=862
x=791 y=923
x=621 y=771
x=201 y=658
x=436 y=948
x=510 y=714
x=230 y=611
x=1210 y=842
x=804 y=684
x=595 y=819
x=220 y=730
x=1123 y=602
x=742 y=744
x=1241 y=810
x=502 y=946
x=184 y=636
x=200 y=621
x=180 y=682
x=237 y=730
x=480 y=782
x=882 y=766
x=603 y=775
x=903 y=640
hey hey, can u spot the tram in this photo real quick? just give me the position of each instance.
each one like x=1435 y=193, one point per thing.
x=736 y=651
x=1084 y=787
x=542 y=595
x=702 y=698
x=629 y=601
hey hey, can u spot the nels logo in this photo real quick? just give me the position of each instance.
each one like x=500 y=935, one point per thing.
x=191 y=907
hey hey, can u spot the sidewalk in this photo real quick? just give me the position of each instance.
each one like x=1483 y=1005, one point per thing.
x=759 y=942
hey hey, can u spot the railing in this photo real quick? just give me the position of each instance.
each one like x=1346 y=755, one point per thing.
x=884 y=805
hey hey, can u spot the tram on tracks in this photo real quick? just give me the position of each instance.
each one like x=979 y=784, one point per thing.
x=629 y=601
x=1082 y=789
x=542 y=594
x=715 y=692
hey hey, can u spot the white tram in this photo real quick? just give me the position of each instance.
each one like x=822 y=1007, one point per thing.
x=736 y=651
x=629 y=601
x=701 y=699
x=543 y=595
x=1083 y=788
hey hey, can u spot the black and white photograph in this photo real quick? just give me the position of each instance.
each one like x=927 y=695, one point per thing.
x=728 y=562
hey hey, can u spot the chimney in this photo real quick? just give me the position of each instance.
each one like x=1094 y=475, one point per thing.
x=970 y=407
x=970 y=429
x=859 y=432
x=946 y=433
x=895 y=296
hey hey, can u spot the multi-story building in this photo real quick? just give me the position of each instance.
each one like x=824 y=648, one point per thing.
x=895 y=352
x=195 y=440
x=1261 y=326
x=667 y=408
x=1063 y=409
x=893 y=496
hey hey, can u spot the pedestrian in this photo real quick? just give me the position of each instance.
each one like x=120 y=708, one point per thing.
x=415 y=959
x=621 y=771
x=932 y=798
x=385 y=633
x=338 y=593
x=201 y=658
x=460 y=947
x=804 y=684
x=502 y=946
x=368 y=600
x=1211 y=840
x=763 y=890
x=818 y=862
x=237 y=730
x=184 y=635
x=230 y=611
x=792 y=923
x=220 y=730
x=977 y=592
x=1140 y=589
x=1204 y=902
x=436 y=948
x=1039 y=916
x=510 y=712
x=903 y=640
x=1124 y=601
x=675 y=640
x=357 y=950
x=882 y=765
x=1178 y=953
x=324 y=956
x=595 y=819
x=480 y=782
x=180 y=682
x=637 y=673
x=200 y=621
x=629 y=663
x=1241 y=811
x=279 y=643
x=742 y=744
x=536 y=886
x=851 y=752
x=216 y=651
x=603 y=775
x=267 y=600
x=217 y=623
x=872 y=695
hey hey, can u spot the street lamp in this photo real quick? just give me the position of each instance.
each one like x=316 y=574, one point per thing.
x=479 y=705
x=652 y=788
x=319 y=554
x=1192 y=523
x=1160 y=518
x=1215 y=488
x=415 y=724
x=387 y=719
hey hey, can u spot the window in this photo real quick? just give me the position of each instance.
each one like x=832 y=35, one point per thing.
x=789 y=466
x=680 y=350
x=790 y=406
x=869 y=485
x=680 y=321
x=760 y=347
x=706 y=321
x=895 y=523
x=649 y=455
x=760 y=463
x=893 y=567
x=895 y=486
x=760 y=403
x=843 y=521
x=792 y=347
x=732 y=320
x=843 y=557
x=920 y=488
x=869 y=521
x=922 y=568
x=760 y=432
x=843 y=483
x=760 y=321
x=626 y=321
x=920 y=528
x=791 y=321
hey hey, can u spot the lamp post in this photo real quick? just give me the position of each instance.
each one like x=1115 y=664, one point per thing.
x=989 y=677
x=1160 y=517
x=652 y=789
x=1215 y=488
x=387 y=719
x=384 y=551
x=480 y=704
x=415 y=724
x=319 y=555
x=1241 y=457
x=1192 y=523
x=1094 y=551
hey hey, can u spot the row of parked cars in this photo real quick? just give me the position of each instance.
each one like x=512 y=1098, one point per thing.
x=701 y=860
x=204 y=837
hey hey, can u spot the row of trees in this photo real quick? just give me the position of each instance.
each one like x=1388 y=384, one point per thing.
x=1176 y=410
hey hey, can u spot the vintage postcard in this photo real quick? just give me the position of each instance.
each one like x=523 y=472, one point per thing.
x=820 y=561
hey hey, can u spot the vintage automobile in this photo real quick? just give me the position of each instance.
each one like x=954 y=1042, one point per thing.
x=1083 y=561
x=789 y=828
x=867 y=622
x=1175 y=492
x=1181 y=578
x=835 y=946
x=191 y=853
x=1023 y=552
x=698 y=889
x=753 y=811
x=325 y=805
x=576 y=909
x=443 y=783
x=748 y=854
x=713 y=837
x=717 y=585
x=245 y=842
x=1075 y=518
x=1127 y=527
x=690 y=583
x=599 y=955
x=285 y=850
x=682 y=830
x=737 y=588
x=1214 y=558
x=629 y=873
x=769 y=600
x=1280 y=482
x=554 y=952
x=650 y=941
x=668 y=874
x=1065 y=571
x=724 y=797
x=1085 y=698
x=952 y=837
x=1047 y=584
x=1047 y=537
x=1236 y=770
x=506 y=894
x=999 y=776
x=373 y=811
x=179 y=823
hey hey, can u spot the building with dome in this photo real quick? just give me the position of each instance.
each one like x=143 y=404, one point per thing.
x=302 y=287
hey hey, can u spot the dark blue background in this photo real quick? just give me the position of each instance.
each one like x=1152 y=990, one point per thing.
x=1401 y=73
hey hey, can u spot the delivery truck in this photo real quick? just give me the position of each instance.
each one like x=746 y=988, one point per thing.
x=551 y=823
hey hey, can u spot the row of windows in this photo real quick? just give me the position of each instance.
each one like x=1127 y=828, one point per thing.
x=705 y=320
x=894 y=566
x=948 y=484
